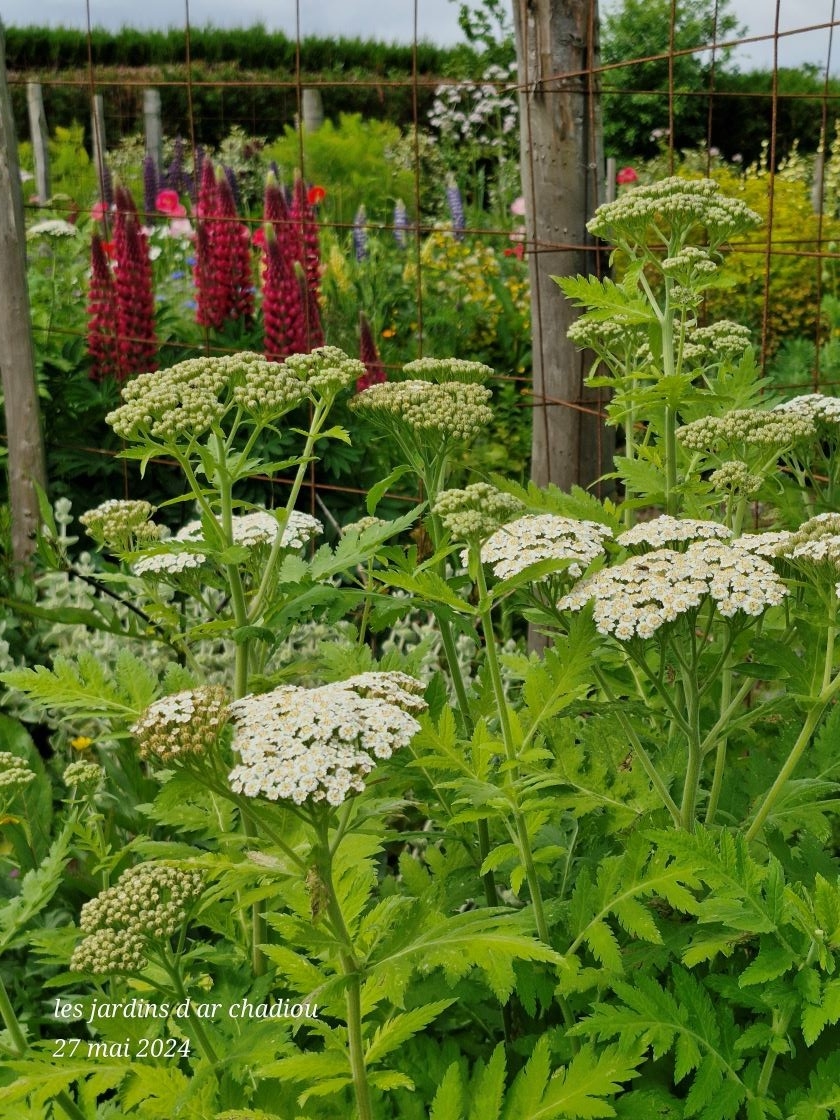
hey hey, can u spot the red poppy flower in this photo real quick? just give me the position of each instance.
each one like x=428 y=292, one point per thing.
x=626 y=176
x=315 y=195
x=258 y=237
x=108 y=249
x=167 y=202
x=517 y=251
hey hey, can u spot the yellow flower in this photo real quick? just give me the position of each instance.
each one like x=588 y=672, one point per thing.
x=81 y=743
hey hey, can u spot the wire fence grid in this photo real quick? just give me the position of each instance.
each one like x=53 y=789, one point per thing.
x=122 y=95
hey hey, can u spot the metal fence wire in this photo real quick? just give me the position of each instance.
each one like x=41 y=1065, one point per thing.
x=264 y=103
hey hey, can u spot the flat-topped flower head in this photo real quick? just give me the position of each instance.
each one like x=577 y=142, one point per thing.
x=475 y=512
x=538 y=537
x=814 y=406
x=318 y=744
x=400 y=689
x=636 y=598
x=15 y=772
x=168 y=565
x=672 y=208
x=814 y=547
x=185 y=400
x=150 y=900
x=446 y=412
x=770 y=544
x=183 y=724
x=448 y=369
x=122 y=525
x=667 y=530
x=261 y=527
x=747 y=427
x=325 y=370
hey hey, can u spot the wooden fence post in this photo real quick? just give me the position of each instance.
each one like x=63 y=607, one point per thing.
x=153 y=126
x=97 y=125
x=560 y=160
x=17 y=356
x=312 y=110
x=40 y=140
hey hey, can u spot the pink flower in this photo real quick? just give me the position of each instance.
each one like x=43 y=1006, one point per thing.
x=99 y=211
x=626 y=176
x=181 y=226
x=517 y=207
x=167 y=203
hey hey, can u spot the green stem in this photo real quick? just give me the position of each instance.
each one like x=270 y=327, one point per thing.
x=258 y=924
x=318 y=417
x=20 y=1047
x=693 y=768
x=808 y=729
x=510 y=751
x=203 y=1042
x=640 y=752
x=350 y=968
x=720 y=756
x=234 y=576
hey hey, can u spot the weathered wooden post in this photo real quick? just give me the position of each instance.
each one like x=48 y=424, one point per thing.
x=17 y=357
x=312 y=110
x=560 y=156
x=40 y=140
x=152 y=125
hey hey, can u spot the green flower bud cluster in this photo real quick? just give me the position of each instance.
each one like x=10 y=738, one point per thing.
x=448 y=369
x=169 y=403
x=325 y=370
x=475 y=512
x=183 y=724
x=671 y=208
x=87 y=777
x=148 y=902
x=122 y=525
x=746 y=426
x=363 y=523
x=15 y=772
x=690 y=264
x=430 y=411
x=735 y=477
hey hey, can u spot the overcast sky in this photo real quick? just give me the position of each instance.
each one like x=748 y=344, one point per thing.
x=393 y=20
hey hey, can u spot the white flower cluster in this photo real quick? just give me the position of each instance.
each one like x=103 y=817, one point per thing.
x=482 y=114
x=182 y=724
x=674 y=204
x=448 y=369
x=429 y=410
x=167 y=563
x=544 y=536
x=752 y=427
x=636 y=598
x=149 y=901
x=476 y=511
x=813 y=406
x=121 y=524
x=672 y=530
x=52 y=227
x=260 y=527
x=320 y=743
x=15 y=772
x=769 y=544
x=815 y=546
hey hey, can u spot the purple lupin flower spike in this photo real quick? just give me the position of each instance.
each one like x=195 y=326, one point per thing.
x=360 y=237
x=400 y=223
x=456 y=207
x=150 y=187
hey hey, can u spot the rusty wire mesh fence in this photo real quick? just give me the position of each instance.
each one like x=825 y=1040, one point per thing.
x=788 y=283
